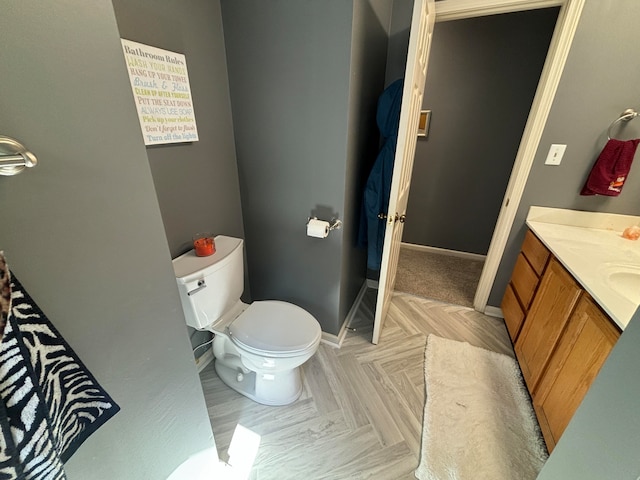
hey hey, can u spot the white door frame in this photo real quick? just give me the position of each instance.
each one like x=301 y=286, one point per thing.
x=545 y=93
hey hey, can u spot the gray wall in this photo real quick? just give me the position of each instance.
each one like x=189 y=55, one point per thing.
x=399 y=28
x=600 y=80
x=370 y=36
x=196 y=183
x=483 y=74
x=83 y=233
x=289 y=69
x=603 y=438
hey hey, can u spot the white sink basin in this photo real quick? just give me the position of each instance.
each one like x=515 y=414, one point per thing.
x=624 y=279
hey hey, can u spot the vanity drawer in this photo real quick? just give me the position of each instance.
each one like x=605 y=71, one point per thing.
x=530 y=265
x=524 y=281
x=536 y=252
x=512 y=312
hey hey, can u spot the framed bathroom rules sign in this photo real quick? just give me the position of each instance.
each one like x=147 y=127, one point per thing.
x=161 y=90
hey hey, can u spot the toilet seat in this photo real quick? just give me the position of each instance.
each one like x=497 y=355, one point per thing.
x=274 y=328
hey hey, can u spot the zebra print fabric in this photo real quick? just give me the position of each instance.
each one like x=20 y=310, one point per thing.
x=5 y=293
x=50 y=402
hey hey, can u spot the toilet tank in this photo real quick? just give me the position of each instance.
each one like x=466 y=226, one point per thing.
x=210 y=285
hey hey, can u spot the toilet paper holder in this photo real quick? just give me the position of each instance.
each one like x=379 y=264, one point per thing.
x=334 y=224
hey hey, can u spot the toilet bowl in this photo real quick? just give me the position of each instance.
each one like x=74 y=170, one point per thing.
x=259 y=347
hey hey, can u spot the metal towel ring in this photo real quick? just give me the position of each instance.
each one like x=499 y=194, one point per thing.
x=628 y=114
x=14 y=157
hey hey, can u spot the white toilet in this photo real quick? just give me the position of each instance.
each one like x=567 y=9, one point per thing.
x=258 y=348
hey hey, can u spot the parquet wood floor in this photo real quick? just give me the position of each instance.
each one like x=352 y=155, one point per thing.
x=360 y=414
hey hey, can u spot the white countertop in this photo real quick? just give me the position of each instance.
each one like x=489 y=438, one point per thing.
x=590 y=245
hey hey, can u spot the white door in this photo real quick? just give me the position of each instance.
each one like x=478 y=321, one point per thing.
x=422 y=24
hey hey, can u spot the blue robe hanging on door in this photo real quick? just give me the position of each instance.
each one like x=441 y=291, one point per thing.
x=378 y=187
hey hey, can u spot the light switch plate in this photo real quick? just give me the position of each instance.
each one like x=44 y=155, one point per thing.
x=556 y=151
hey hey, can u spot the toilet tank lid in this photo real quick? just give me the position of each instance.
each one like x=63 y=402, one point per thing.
x=189 y=266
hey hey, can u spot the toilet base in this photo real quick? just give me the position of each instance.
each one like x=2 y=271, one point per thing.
x=274 y=389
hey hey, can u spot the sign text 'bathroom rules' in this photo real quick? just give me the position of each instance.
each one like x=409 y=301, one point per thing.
x=161 y=90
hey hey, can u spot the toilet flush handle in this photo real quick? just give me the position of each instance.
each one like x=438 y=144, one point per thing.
x=201 y=285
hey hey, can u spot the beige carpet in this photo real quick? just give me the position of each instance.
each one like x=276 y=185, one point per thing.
x=438 y=276
x=478 y=419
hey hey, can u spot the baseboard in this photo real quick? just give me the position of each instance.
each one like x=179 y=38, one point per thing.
x=333 y=340
x=443 y=251
x=205 y=359
x=493 y=311
x=370 y=283
x=336 y=340
x=356 y=304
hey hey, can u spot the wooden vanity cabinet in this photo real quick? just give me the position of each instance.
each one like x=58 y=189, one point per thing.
x=529 y=267
x=561 y=340
x=545 y=322
x=579 y=354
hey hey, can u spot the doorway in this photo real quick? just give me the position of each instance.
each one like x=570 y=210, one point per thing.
x=447 y=10
x=484 y=72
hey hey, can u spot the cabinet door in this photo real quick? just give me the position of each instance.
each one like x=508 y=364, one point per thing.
x=545 y=322
x=581 y=352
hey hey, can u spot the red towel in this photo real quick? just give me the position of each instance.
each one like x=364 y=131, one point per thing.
x=611 y=168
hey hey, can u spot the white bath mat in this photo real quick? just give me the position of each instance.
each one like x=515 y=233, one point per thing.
x=478 y=419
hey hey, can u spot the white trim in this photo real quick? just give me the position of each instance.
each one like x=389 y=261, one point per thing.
x=448 y=10
x=545 y=94
x=371 y=283
x=442 y=251
x=356 y=304
x=205 y=359
x=336 y=340
x=493 y=311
